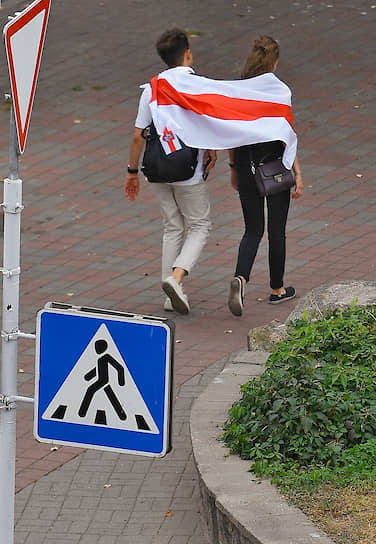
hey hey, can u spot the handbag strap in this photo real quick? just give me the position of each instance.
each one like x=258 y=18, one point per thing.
x=254 y=163
x=251 y=160
x=149 y=132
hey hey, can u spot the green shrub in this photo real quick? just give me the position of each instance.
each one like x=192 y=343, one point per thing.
x=315 y=402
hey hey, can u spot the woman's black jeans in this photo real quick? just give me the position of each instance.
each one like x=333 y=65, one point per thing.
x=253 y=206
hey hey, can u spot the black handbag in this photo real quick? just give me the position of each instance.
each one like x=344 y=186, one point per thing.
x=272 y=177
x=158 y=167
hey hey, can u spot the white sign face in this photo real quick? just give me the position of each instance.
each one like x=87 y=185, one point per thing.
x=100 y=391
x=24 y=37
x=25 y=47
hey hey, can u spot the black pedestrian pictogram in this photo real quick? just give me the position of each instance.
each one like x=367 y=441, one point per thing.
x=101 y=372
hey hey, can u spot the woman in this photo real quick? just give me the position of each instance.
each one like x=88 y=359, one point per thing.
x=263 y=58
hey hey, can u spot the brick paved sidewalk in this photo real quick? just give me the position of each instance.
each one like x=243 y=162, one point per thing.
x=109 y=498
x=82 y=241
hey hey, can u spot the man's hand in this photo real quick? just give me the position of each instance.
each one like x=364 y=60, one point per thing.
x=132 y=186
x=210 y=158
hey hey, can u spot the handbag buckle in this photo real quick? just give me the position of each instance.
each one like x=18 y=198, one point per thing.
x=278 y=178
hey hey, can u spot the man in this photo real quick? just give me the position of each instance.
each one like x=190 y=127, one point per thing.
x=185 y=204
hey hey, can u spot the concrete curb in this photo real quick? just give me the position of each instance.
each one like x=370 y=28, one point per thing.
x=237 y=507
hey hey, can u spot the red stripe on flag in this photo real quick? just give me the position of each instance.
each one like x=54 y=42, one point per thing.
x=216 y=105
x=154 y=83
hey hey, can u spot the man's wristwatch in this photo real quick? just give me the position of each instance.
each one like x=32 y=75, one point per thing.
x=132 y=170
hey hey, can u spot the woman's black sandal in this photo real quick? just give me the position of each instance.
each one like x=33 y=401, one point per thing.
x=276 y=299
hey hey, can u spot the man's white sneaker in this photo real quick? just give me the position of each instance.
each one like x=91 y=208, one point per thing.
x=174 y=291
x=167 y=306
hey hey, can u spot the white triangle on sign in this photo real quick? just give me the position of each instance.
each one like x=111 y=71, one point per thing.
x=99 y=391
x=25 y=48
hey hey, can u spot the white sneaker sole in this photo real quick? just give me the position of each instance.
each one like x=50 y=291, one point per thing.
x=235 y=302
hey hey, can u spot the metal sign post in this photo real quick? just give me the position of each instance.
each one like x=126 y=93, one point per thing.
x=24 y=38
x=12 y=206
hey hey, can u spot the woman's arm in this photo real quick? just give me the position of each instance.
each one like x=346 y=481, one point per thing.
x=298 y=191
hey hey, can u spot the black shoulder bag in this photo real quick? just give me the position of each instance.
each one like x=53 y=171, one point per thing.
x=159 y=167
x=272 y=177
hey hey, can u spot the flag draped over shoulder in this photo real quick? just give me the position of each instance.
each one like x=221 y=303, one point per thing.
x=214 y=114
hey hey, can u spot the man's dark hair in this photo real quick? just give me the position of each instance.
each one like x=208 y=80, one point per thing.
x=171 y=46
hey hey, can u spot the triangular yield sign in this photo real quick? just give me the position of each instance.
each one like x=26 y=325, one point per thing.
x=24 y=38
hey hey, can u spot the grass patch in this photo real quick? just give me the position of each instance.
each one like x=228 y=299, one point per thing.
x=348 y=514
x=309 y=422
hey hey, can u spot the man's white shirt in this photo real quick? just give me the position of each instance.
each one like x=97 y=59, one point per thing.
x=144 y=119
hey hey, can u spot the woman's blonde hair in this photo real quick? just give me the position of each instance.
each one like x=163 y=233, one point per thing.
x=262 y=58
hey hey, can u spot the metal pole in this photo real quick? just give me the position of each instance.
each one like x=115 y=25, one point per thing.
x=12 y=205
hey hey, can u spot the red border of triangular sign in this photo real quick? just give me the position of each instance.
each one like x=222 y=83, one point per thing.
x=9 y=30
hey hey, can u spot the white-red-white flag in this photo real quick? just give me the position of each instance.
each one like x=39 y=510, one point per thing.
x=213 y=114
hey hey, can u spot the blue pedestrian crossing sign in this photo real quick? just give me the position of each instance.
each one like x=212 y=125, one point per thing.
x=103 y=380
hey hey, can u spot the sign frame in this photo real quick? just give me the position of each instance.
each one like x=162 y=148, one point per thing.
x=106 y=438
